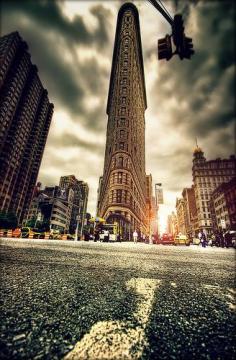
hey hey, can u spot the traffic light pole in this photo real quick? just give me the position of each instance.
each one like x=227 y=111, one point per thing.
x=184 y=45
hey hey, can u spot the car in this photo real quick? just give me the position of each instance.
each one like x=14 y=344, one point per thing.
x=196 y=241
x=181 y=240
x=167 y=239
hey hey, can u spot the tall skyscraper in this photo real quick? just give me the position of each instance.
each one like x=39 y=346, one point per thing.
x=25 y=117
x=122 y=189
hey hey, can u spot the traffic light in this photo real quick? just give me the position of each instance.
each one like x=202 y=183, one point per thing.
x=178 y=31
x=187 y=50
x=164 y=48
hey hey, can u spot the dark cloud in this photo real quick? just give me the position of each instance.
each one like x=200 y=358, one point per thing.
x=71 y=140
x=48 y=15
x=203 y=87
x=53 y=40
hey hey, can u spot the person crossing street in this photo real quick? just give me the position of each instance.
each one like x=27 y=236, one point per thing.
x=135 y=236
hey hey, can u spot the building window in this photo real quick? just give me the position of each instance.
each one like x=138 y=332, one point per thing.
x=120 y=162
x=122 y=110
x=122 y=134
x=123 y=100
x=122 y=122
x=121 y=146
x=120 y=177
x=119 y=194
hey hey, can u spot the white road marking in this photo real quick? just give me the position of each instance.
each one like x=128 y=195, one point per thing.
x=119 y=339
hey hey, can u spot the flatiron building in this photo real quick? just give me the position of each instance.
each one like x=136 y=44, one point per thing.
x=25 y=117
x=122 y=195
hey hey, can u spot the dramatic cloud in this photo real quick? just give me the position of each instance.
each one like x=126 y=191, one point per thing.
x=195 y=98
x=71 y=42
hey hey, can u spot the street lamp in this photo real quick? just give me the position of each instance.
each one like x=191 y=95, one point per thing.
x=77 y=227
x=157 y=186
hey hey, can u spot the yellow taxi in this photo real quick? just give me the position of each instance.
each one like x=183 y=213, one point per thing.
x=181 y=240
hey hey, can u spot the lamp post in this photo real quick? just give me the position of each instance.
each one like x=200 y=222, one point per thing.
x=77 y=227
x=157 y=185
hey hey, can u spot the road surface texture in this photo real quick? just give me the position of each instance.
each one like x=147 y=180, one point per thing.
x=85 y=300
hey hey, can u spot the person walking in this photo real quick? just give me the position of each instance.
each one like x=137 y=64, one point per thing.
x=202 y=238
x=135 y=236
x=228 y=241
x=106 y=235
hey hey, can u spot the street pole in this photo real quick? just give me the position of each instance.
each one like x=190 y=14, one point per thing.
x=157 y=207
x=77 y=227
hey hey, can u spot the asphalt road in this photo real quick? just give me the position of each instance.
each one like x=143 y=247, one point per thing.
x=61 y=299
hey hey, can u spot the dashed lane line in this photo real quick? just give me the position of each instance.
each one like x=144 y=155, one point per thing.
x=119 y=339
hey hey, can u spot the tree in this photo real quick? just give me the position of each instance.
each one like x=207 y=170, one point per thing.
x=8 y=220
x=31 y=222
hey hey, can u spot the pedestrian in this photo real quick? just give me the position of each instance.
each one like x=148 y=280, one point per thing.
x=202 y=238
x=96 y=237
x=106 y=235
x=228 y=242
x=135 y=236
x=222 y=240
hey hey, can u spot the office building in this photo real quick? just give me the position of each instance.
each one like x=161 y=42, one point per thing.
x=79 y=208
x=25 y=117
x=207 y=176
x=122 y=188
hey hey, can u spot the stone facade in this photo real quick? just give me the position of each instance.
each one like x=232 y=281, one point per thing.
x=223 y=201
x=207 y=176
x=122 y=188
x=80 y=201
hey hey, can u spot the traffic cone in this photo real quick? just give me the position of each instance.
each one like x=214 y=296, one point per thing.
x=9 y=233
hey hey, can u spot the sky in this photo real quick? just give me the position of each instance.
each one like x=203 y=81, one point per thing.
x=71 y=42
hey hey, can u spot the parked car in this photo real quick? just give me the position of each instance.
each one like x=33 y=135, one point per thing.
x=181 y=240
x=196 y=241
x=166 y=239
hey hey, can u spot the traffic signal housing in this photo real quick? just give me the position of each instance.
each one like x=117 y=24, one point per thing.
x=178 y=31
x=187 y=50
x=164 y=48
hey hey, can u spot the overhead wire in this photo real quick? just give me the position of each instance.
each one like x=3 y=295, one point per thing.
x=165 y=9
x=161 y=8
